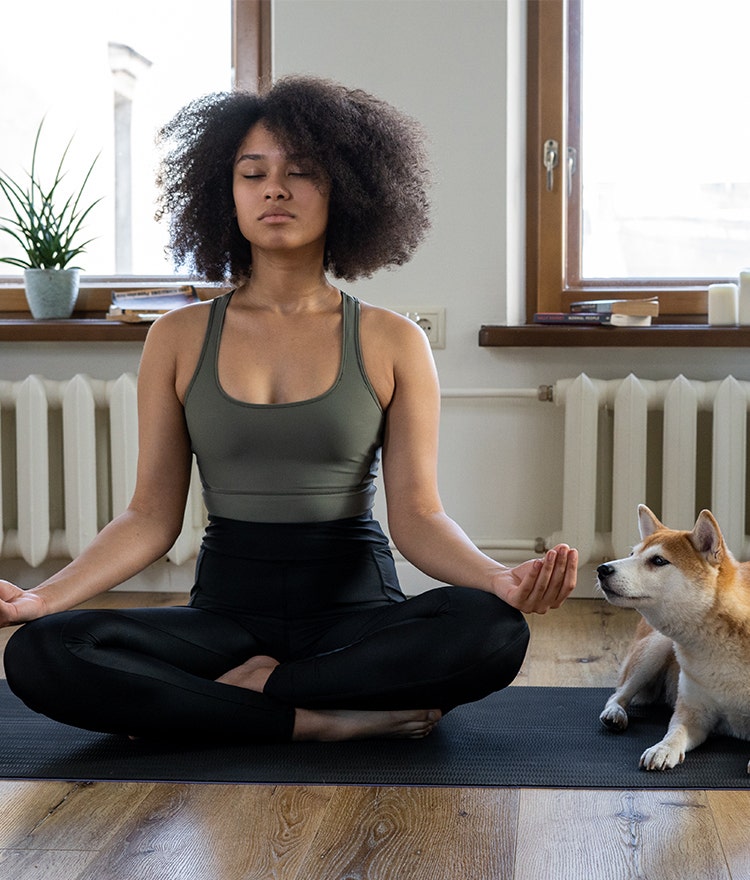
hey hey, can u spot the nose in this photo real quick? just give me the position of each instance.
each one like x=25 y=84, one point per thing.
x=275 y=188
x=605 y=570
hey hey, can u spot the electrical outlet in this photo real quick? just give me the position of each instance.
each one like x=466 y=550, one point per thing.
x=432 y=321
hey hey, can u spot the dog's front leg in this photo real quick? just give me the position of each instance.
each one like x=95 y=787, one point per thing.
x=614 y=715
x=643 y=670
x=688 y=728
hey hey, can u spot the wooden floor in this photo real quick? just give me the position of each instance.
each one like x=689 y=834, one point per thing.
x=141 y=831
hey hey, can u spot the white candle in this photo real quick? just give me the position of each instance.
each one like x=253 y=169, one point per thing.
x=722 y=304
x=744 y=297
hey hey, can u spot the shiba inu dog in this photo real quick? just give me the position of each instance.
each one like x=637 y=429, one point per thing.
x=692 y=649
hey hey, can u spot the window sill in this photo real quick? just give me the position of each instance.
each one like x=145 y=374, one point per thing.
x=658 y=335
x=88 y=322
x=93 y=327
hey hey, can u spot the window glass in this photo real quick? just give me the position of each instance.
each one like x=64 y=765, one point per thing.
x=107 y=75
x=665 y=138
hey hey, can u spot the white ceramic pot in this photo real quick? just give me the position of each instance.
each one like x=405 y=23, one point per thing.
x=51 y=293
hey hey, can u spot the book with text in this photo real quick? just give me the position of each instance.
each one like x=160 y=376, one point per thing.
x=598 y=319
x=137 y=306
x=649 y=306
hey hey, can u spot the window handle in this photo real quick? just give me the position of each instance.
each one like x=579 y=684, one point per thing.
x=551 y=159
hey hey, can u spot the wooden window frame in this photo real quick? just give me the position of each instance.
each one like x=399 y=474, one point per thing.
x=251 y=43
x=553 y=218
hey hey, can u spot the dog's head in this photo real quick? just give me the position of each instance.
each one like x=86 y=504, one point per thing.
x=668 y=568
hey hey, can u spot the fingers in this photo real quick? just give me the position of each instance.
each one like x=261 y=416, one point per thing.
x=9 y=591
x=17 y=605
x=6 y=587
x=546 y=583
x=557 y=577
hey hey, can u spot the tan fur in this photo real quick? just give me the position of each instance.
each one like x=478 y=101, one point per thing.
x=692 y=648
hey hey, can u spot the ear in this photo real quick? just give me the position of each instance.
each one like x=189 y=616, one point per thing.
x=707 y=539
x=647 y=522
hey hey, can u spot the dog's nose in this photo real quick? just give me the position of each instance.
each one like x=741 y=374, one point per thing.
x=605 y=570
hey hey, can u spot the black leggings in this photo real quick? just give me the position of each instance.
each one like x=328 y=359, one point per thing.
x=323 y=599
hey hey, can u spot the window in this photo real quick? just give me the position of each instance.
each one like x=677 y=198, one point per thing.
x=641 y=109
x=108 y=75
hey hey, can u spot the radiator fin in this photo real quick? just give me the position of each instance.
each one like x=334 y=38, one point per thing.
x=627 y=480
x=98 y=462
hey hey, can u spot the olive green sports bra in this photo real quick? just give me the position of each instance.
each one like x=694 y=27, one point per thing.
x=308 y=461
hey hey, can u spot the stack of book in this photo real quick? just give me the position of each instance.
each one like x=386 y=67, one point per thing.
x=139 y=306
x=608 y=312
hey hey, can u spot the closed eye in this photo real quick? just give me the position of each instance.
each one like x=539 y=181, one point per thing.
x=659 y=560
x=290 y=173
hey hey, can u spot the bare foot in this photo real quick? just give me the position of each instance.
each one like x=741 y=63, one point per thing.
x=252 y=674
x=336 y=724
x=341 y=724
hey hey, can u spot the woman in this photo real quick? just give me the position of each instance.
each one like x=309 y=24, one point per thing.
x=287 y=390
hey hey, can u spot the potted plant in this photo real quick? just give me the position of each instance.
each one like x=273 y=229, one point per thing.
x=47 y=225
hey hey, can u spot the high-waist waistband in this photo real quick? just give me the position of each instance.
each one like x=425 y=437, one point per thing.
x=293 y=541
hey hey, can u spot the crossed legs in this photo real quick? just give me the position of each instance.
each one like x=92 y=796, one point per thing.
x=184 y=671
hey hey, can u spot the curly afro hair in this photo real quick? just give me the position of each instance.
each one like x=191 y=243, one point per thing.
x=373 y=156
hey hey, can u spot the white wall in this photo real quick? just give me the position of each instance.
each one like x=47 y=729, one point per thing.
x=456 y=65
x=440 y=62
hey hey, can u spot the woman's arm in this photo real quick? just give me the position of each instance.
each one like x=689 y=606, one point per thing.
x=418 y=524
x=151 y=523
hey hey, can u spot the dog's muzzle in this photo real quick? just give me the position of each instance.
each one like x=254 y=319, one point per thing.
x=604 y=571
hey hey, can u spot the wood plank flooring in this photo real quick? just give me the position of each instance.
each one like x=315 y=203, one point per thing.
x=143 y=831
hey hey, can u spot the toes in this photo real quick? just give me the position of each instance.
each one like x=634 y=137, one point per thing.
x=614 y=718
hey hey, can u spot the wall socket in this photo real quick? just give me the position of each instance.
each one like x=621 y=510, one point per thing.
x=432 y=321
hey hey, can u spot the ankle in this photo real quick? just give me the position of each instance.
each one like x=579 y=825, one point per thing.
x=252 y=674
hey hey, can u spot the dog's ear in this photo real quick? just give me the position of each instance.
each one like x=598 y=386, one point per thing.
x=647 y=522
x=707 y=539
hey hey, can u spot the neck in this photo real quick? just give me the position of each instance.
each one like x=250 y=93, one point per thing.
x=279 y=284
x=681 y=625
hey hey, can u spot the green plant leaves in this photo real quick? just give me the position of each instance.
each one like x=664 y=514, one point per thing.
x=46 y=231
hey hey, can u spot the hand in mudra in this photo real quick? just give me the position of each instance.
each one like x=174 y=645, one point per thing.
x=539 y=584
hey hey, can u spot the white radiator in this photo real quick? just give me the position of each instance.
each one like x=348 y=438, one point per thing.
x=678 y=445
x=68 y=452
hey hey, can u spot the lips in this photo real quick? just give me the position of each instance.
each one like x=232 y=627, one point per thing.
x=276 y=214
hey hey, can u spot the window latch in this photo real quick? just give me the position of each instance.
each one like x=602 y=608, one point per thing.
x=551 y=159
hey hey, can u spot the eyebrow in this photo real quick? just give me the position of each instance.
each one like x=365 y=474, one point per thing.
x=251 y=157
x=259 y=157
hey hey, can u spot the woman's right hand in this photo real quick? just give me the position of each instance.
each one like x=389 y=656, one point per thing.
x=17 y=605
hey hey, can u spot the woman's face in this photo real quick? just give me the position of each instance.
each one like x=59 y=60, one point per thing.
x=281 y=200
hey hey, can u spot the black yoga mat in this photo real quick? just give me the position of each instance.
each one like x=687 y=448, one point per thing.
x=521 y=737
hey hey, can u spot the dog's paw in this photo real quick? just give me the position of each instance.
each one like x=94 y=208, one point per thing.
x=614 y=717
x=661 y=757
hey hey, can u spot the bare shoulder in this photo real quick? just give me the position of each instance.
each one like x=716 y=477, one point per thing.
x=181 y=323
x=391 y=330
x=174 y=342
x=396 y=353
x=181 y=329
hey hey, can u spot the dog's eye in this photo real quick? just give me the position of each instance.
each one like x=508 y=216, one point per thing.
x=659 y=560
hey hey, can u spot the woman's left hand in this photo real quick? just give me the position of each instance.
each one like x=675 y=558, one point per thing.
x=539 y=584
